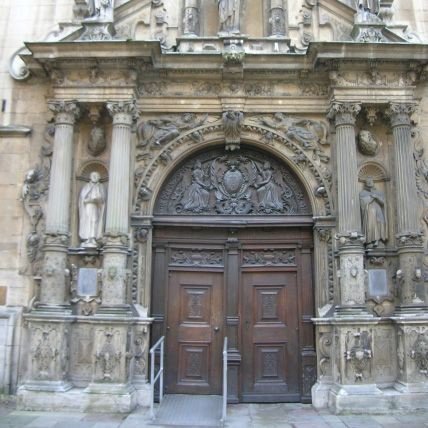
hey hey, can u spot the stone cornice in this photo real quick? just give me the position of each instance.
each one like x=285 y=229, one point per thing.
x=150 y=51
x=15 y=131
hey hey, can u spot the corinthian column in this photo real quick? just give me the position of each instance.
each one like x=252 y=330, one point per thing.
x=351 y=250
x=409 y=238
x=54 y=276
x=115 y=274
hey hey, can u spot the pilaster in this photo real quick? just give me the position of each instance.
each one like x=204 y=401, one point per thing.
x=409 y=239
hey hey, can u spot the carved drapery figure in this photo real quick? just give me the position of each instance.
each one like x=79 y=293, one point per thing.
x=268 y=191
x=305 y=132
x=229 y=15
x=373 y=214
x=91 y=211
x=196 y=196
x=371 y=6
x=101 y=9
x=158 y=132
x=191 y=18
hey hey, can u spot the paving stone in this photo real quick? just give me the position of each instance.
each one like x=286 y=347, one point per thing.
x=360 y=422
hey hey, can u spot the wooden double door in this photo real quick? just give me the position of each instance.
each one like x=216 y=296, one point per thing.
x=253 y=286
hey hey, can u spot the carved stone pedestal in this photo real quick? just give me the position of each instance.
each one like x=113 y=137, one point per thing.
x=361 y=371
x=48 y=346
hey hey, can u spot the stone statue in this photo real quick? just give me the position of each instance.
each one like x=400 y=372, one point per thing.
x=101 y=10
x=370 y=6
x=373 y=214
x=91 y=211
x=268 y=191
x=191 y=18
x=229 y=15
x=196 y=196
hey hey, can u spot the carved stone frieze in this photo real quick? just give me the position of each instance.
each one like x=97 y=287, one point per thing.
x=245 y=183
x=271 y=257
x=359 y=353
x=196 y=258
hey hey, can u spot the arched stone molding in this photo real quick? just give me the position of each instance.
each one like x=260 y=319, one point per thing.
x=158 y=164
x=91 y=166
x=153 y=167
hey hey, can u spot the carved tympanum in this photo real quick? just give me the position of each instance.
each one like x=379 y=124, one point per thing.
x=248 y=183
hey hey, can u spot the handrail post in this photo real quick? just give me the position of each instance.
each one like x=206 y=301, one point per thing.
x=224 y=410
x=160 y=343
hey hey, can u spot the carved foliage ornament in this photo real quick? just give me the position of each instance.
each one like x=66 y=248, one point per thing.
x=400 y=114
x=246 y=184
x=344 y=113
x=270 y=257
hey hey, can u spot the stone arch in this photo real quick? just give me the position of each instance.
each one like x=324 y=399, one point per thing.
x=154 y=165
x=90 y=166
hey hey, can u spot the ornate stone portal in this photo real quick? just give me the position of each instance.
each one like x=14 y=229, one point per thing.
x=188 y=120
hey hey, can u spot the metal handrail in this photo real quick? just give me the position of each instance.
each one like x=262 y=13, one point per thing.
x=223 y=417
x=160 y=343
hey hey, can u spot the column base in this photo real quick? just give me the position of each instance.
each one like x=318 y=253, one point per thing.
x=367 y=399
x=78 y=400
x=344 y=311
x=411 y=310
x=115 y=311
x=47 y=386
x=52 y=309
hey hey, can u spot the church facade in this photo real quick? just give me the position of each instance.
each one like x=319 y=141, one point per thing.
x=199 y=170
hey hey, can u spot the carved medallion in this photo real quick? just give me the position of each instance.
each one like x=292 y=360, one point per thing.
x=248 y=183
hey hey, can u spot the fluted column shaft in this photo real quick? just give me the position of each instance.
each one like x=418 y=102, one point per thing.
x=58 y=213
x=117 y=221
x=115 y=272
x=55 y=273
x=409 y=238
x=407 y=219
x=351 y=251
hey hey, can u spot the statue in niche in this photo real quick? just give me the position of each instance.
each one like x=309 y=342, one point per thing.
x=305 y=132
x=91 y=211
x=229 y=15
x=196 y=196
x=368 y=11
x=268 y=191
x=373 y=214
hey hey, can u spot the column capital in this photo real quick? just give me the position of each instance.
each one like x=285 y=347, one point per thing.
x=344 y=113
x=400 y=113
x=123 y=112
x=66 y=112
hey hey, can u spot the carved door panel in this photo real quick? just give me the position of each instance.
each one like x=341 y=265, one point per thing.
x=194 y=332
x=270 y=345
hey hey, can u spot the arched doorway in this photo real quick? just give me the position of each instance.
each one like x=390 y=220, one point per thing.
x=232 y=256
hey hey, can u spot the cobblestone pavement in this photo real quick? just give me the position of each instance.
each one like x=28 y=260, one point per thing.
x=239 y=416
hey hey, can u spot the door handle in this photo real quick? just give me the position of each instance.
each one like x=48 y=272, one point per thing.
x=216 y=329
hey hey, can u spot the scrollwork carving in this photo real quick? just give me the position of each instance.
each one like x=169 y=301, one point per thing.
x=269 y=257
x=197 y=258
